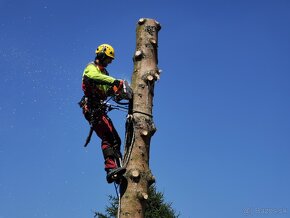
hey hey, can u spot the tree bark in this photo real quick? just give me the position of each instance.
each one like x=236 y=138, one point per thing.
x=138 y=177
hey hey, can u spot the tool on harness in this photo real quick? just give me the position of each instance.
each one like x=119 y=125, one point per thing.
x=89 y=137
x=91 y=108
x=106 y=107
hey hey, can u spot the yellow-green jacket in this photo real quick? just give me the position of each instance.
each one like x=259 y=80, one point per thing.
x=96 y=83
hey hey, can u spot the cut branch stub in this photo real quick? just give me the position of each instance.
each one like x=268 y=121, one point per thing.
x=158 y=25
x=142 y=195
x=150 y=178
x=157 y=76
x=141 y=21
x=153 y=42
x=151 y=75
x=135 y=175
x=138 y=55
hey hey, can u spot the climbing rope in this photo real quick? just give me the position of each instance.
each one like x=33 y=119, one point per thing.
x=129 y=138
x=119 y=199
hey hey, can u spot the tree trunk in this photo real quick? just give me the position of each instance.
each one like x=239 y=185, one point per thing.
x=134 y=189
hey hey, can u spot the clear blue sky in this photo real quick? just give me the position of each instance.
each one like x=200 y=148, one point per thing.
x=221 y=106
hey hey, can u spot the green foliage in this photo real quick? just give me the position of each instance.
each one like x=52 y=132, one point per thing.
x=100 y=215
x=155 y=206
x=111 y=210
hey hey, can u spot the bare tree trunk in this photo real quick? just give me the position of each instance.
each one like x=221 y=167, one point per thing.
x=134 y=190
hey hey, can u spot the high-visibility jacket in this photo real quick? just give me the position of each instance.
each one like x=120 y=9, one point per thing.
x=95 y=82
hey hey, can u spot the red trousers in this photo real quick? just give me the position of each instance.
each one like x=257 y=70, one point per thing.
x=106 y=131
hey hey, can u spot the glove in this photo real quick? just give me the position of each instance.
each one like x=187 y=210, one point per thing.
x=117 y=85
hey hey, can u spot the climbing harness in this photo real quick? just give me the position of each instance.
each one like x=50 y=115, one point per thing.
x=92 y=107
x=103 y=107
x=123 y=92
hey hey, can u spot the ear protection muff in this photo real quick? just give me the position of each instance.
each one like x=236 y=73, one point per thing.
x=102 y=55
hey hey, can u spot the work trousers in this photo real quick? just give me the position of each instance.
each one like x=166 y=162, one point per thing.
x=106 y=131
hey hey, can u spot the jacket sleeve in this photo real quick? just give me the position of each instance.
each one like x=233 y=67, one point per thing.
x=102 y=79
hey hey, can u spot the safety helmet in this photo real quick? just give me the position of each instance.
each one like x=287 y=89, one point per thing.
x=105 y=49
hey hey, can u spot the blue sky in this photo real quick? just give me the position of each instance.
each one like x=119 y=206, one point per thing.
x=221 y=106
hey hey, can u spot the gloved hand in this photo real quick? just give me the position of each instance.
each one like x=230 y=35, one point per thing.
x=121 y=90
x=117 y=85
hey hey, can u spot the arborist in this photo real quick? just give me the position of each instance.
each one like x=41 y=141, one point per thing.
x=97 y=86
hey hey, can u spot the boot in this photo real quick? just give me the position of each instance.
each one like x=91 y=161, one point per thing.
x=114 y=175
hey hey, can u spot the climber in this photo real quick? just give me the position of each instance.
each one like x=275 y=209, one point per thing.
x=98 y=86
